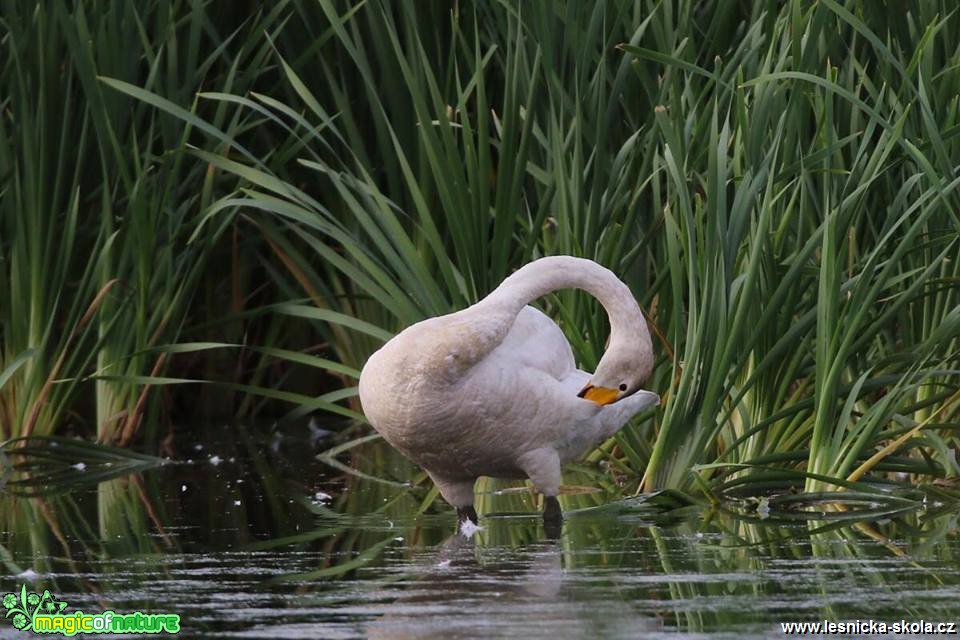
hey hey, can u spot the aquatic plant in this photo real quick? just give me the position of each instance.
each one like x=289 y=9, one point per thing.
x=774 y=180
x=98 y=200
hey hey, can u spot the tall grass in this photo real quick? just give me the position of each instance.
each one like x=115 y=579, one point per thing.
x=774 y=180
x=100 y=202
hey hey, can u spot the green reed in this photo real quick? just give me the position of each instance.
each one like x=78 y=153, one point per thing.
x=774 y=180
x=99 y=204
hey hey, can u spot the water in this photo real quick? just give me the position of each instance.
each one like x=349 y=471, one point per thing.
x=255 y=538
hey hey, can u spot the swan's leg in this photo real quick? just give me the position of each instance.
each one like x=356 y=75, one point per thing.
x=552 y=517
x=551 y=508
x=542 y=466
x=467 y=513
x=459 y=493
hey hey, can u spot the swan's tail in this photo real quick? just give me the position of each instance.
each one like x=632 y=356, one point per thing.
x=614 y=416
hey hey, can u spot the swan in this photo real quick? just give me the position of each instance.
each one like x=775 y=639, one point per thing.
x=493 y=390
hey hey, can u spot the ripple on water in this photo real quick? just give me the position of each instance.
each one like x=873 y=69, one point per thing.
x=342 y=557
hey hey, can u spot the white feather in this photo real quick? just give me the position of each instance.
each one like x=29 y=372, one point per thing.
x=492 y=390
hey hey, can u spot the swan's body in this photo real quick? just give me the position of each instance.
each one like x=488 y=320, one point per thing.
x=492 y=390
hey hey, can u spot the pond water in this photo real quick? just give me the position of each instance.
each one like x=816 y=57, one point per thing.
x=256 y=538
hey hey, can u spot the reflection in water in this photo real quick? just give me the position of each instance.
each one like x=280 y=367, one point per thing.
x=464 y=592
x=267 y=542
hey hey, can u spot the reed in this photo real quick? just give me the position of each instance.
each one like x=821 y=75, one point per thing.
x=774 y=180
x=99 y=205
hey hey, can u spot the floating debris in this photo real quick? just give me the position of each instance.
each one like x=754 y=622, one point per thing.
x=321 y=498
x=80 y=466
x=316 y=431
x=215 y=460
x=763 y=508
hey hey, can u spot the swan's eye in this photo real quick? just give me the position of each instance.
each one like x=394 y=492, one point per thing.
x=623 y=387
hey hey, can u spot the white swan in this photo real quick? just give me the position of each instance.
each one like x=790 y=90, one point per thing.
x=493 y=390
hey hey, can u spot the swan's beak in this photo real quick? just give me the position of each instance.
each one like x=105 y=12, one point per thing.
x=600 y=395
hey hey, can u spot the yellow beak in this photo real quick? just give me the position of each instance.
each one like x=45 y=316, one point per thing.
x=600 y=395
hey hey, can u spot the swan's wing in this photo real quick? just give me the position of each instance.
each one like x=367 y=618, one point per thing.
x=523 y=396
x=535 y=341
x=575 y=381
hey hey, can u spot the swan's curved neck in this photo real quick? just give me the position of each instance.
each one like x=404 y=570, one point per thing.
x=538 y=278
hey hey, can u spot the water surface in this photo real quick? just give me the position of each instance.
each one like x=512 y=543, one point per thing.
x=254 y=537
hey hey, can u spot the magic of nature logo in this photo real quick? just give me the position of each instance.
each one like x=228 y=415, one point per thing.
x=43 y=613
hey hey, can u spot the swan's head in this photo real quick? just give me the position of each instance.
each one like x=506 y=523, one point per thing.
x=615 y=379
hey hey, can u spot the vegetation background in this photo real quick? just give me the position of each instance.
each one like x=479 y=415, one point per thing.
x=219 y=209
